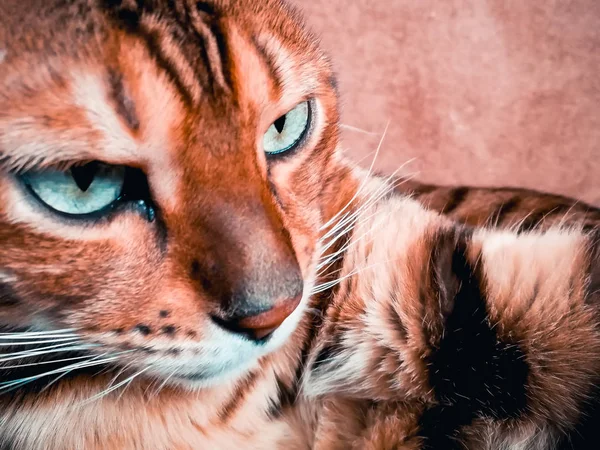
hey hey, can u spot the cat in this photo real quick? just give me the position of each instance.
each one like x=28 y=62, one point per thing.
x=183 y=245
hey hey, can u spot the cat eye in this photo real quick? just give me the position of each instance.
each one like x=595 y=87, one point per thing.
x=85 y=190
x=287 y=132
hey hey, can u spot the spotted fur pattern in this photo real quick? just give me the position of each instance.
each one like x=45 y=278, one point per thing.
x=414 y=330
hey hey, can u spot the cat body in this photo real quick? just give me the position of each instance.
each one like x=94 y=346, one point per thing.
x=431 y=335
x=221 y=300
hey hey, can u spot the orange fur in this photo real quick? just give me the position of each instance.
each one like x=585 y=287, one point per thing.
x=184 y=91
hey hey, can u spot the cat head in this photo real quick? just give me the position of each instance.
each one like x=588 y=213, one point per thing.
x=165 y=170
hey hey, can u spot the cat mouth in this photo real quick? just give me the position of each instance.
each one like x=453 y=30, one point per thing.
x=51 y=357
x=199 y=376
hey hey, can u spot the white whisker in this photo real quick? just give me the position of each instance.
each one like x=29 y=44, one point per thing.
x=163 y=384
x=14 y=344
x=328 y=285
x=562 y=222
x=38 y=337
x=386 y=187
x=350 y=217
x=357 y=162
x=4 y=386
x=92 y=359
x=331 y=259
x=105 y=392
x=370 y=202
x=52 y=349
x=517 y=226
x=129 y=384
x=54 y=361
x=377 y=195
x=325 y=261
x=40 y=333
x=36 y=349
x=356 y=129
x=364 y=182
x=116 y=377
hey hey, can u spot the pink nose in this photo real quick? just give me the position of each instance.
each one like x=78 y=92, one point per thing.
x=261 y=325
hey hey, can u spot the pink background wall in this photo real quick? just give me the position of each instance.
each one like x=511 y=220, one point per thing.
x=484 y=92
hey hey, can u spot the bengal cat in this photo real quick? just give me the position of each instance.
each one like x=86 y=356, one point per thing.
x=188 y=262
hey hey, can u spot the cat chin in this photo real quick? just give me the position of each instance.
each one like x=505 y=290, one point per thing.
x=200 y=381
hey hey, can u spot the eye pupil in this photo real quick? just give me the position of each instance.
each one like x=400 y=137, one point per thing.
x=288 y=131
x=84 y=175
x=280 y=124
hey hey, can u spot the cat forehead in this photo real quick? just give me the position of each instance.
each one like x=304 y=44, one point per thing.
x=148 y=79
x=203 y=47
x=54 y=24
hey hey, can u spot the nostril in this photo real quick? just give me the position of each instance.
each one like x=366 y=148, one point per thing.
x=260 y=326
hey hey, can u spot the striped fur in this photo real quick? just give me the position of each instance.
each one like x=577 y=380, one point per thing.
x=400 y=306
x=452 y=337
x=518 y=209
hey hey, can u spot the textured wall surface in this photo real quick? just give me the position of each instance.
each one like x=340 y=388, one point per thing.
x=484 y=92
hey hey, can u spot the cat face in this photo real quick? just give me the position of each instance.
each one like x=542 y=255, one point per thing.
x=165 y=169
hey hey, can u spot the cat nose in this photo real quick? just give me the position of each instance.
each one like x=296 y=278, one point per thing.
x=258 y=325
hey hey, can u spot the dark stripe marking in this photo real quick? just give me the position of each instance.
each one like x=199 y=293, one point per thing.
x=471 y=371
x=537 y=217
x=586 y=434
x=226 y=62
x=187 y=25
x=327 y=353
x=8 y=297
x=440 y=426
x=130 y=21
x=284 y=399
x=499 y=215
x=123 y=103
x=200 y=25
x=153 y=39
x=457 y=198
x=237 y=399
x=205 y=8
x=394 y=319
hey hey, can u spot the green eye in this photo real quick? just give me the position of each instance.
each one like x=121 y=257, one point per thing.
x=287 y=131
x=79 y=191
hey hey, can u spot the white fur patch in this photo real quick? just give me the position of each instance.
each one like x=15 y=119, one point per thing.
x=344 y=372
x=90 y=93
x=542 y=262
x=2 y=55
x=7 y=277
x=298 y=78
